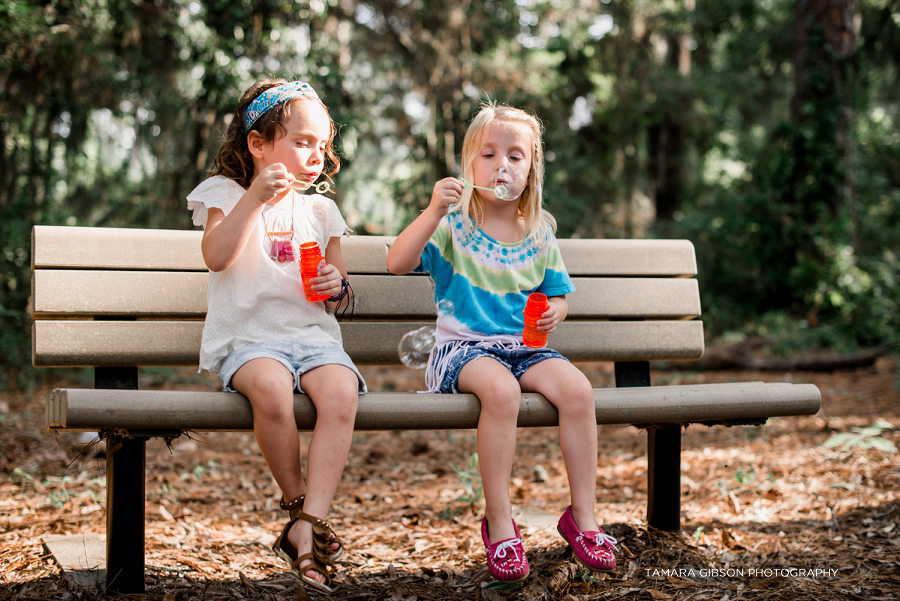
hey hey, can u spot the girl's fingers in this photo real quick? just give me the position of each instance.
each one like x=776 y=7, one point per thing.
x=327 y=282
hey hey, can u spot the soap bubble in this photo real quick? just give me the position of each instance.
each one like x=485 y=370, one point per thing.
x=415 y=346
x=445 y=307
x=512 y=186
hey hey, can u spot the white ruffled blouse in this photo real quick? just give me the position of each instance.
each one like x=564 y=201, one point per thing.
x=257 y=299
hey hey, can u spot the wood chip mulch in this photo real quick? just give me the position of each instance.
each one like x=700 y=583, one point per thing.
x=768 y=512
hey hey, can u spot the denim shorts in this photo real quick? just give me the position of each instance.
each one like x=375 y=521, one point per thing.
x=297 y=357
x=517 y=359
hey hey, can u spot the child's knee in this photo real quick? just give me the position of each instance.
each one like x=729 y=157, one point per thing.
x=337 y=398
x=277 y=406
x=343 y=408
x=577 y=396
x=501 y=397
x=270 y=392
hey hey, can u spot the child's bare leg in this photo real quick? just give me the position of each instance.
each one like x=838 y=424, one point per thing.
x=270 y=388
x=500 y=395
x=570 y=391
x=334 y=390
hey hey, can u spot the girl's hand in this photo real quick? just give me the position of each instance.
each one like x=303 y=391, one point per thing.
x=446 y=193
x=273 y=181
x=549 y=320
x=328 y=282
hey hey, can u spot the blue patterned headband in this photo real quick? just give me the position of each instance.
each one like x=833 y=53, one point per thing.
x=273 y=97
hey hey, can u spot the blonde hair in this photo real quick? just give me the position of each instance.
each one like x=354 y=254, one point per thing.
x=539 y=223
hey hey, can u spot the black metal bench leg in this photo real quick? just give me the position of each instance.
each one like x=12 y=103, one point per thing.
x=663 y=456
x=125 y=467
x=664 y=477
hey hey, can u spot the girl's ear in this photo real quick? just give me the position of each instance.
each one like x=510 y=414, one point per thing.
x=256 y=144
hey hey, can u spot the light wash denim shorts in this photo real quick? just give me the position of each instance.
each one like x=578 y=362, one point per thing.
x=297 y=357
x=516 y=359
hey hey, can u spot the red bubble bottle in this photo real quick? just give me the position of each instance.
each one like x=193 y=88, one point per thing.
x=537 y=304
x=310 y=262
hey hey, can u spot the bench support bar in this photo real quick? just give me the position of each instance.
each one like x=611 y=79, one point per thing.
x=125 y=467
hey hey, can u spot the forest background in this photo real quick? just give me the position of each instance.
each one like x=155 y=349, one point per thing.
x=765 y=131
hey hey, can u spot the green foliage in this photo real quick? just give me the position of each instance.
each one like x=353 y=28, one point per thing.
x=786 y=248
x=470 y=478
x=111 y=112
x=863 y=438
x=744 y=477
x=24 y=476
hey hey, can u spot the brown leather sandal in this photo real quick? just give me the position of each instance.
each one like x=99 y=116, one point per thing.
x=284 y=549
x=323 y=535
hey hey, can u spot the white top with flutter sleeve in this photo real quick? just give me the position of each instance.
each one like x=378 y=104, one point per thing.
x=257 y=299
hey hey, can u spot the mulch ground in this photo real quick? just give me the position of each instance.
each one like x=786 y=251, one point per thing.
x=769 y=512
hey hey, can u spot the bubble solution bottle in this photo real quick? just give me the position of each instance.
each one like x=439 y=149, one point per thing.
x=310 y=261
x=537 y=304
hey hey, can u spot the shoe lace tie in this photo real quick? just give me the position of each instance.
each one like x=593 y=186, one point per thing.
x=500 y=551
x=601 y=538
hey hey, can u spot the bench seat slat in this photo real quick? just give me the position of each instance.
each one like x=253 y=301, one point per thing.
x=71 y=343
x=177 y=250
x=88 y=409
x=91 y=293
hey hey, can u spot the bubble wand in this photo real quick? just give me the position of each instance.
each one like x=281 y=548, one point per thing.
x=499 y=191
x=321 y=188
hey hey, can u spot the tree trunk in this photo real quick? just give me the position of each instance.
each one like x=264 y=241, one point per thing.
x=667 y=143
x=825 y=70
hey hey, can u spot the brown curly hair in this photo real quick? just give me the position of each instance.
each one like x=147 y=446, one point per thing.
x=234 y=160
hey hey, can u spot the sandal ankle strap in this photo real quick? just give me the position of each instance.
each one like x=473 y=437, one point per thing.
x=294 y=507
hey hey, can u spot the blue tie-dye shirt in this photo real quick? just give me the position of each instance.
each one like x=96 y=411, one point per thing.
x=488 y=281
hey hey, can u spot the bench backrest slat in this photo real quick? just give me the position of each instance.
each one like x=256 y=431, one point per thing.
x=68 y=343
x=89 y=293
x=175 y=250
x=120 y=297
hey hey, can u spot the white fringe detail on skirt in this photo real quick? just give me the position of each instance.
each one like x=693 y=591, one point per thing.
x=442 y=357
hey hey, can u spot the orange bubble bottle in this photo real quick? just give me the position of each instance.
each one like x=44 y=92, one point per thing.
x=310 y=262
x=537 y=304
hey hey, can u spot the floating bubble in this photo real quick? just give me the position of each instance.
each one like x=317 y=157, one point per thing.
x=421 y=344
x=445 y=307
x=415 y=346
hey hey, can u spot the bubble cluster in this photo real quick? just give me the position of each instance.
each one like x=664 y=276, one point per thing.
x=415 y=346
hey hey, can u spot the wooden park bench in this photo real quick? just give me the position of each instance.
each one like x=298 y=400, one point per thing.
x=118 y=299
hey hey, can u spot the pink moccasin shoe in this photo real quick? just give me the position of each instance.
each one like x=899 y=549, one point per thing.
x=506 y=559
x=593 y=550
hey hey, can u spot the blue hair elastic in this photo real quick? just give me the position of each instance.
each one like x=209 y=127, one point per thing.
x=273 y=97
